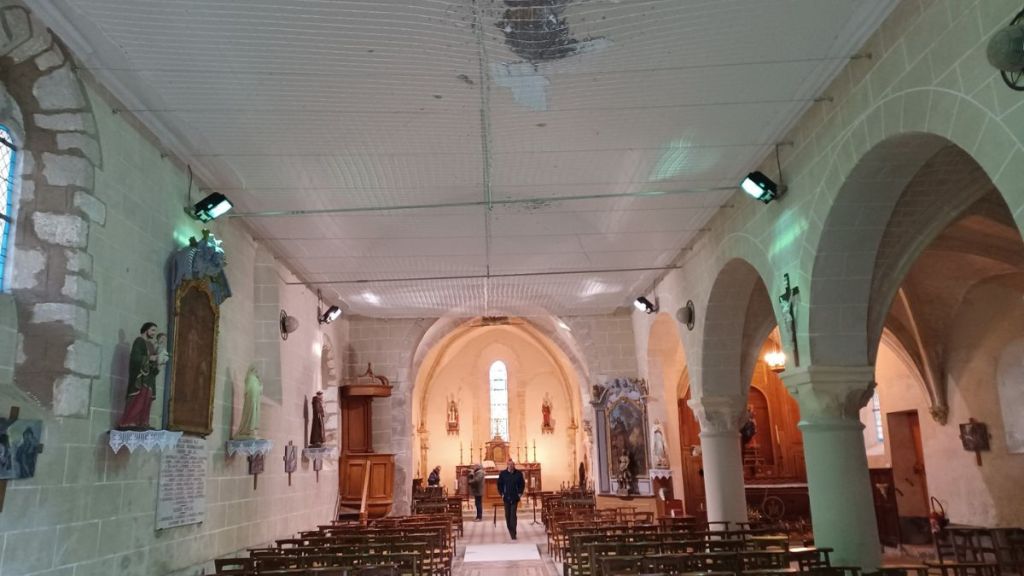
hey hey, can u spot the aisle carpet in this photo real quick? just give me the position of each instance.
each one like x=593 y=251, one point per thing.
x=500 y=553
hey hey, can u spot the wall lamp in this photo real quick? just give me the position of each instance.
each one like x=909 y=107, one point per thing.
x=211 y=207
x=644 y=305
x=1005 y=52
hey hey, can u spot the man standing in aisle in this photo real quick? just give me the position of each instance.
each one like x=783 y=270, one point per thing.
x=476 y=488
x=511 y=485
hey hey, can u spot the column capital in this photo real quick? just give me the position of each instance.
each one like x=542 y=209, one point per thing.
x=720 y=414
x=831 y=394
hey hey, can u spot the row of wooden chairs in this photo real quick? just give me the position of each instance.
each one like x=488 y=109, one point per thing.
x=698 y=551
x=977 y=550
x=408 y=546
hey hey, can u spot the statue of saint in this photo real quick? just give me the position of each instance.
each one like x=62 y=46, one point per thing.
x=545 y=412
x=660 y=455
x=453 y=416
x=250 y=423
x=625 y=477
x=316 y=428
x=143 y=367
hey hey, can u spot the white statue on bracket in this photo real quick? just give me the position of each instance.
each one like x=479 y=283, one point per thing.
x=658 y=444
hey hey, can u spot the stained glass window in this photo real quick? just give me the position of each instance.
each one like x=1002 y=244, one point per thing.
x=8 y=158
x=499 y=400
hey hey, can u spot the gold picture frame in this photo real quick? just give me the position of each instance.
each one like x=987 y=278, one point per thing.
x=193 y=358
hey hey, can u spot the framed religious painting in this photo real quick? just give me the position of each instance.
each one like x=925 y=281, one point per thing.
x=193 y=358
x=627 y=439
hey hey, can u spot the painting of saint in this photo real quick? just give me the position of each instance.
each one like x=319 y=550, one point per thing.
x=20 y=445
x=194 y=361
x=627 y=436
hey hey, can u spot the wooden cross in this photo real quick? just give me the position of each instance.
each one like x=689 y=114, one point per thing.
x=15 y=411
x=789 y=313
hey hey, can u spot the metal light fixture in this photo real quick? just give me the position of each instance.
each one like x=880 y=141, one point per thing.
x=644 y=305
x=330 y=315
x=1005 y=52
x=776 y=360
x=687 y=315
x=211 y=207
x=289 y=324
x=761 y=187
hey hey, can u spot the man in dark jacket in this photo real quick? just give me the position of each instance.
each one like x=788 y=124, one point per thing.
x=476 y=488
x=511 y=485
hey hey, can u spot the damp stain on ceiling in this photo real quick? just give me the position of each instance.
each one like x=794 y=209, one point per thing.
x=538 y=31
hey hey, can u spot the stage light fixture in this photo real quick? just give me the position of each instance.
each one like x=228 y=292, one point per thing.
x=330 y=315
x=644 y=305
x=211 y=207
x=761 y=187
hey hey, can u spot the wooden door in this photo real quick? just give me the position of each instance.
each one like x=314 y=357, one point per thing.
x=909 y=476
x=887 y=515
x=694 y=501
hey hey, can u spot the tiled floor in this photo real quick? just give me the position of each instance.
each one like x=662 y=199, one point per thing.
x=486 y=532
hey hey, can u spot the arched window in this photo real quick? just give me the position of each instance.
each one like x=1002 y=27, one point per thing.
x=499 y=400
x=8 y=158
x=876 y=414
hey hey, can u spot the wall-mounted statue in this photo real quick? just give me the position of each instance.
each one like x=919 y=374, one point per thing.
x=658 y=441
x=452 y=421
x=316 y=428
x=248 y=427
x=624 y=478
x=547 y=424
x=143 y=366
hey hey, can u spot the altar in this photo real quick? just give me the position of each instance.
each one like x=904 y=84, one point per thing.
x=495 y=456
x=531 y=475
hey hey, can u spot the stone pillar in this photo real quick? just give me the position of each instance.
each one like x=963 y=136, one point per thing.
x=720 y=420
x=842 y=507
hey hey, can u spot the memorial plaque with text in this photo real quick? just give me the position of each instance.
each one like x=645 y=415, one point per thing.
x=181 y=497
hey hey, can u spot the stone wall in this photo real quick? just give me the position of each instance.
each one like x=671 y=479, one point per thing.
x=89 y=511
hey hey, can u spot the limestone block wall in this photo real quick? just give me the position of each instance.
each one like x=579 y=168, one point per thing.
x=89 y=511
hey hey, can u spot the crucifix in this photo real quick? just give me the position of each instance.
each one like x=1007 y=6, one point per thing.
x=789 y=315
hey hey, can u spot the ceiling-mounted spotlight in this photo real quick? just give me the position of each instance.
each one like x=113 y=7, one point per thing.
x=211 y=207
x=644 y=305
x=759 y=186
x=330 y=315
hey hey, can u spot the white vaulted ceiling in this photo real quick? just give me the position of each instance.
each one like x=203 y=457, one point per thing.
x=472 y=150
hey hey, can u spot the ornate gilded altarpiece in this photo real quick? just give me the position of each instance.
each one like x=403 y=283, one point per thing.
x=198 y=287
x=193 y=374
x=620 y=407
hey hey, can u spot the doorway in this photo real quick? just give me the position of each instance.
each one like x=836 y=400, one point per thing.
x=693 y=463
x=909 y=477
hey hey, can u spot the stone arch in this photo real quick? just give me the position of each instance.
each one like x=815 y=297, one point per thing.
x=52 y=279
x=869 y=169
x=738 y=318
x=425 y=338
